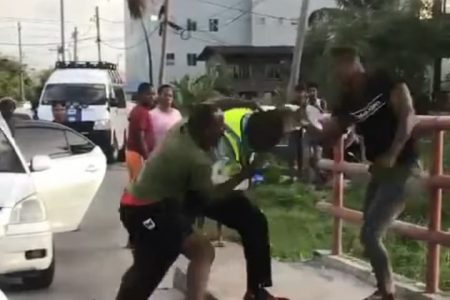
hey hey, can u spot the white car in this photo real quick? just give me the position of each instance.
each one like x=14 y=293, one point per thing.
x=3 y=296
x=49 y=175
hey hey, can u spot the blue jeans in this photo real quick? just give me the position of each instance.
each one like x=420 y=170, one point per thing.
x=384 y=202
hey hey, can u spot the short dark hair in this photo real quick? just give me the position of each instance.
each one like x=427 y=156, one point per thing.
x=201 y=116
x=56 y=103
x=143 y=87
x=7 y=103
x=164 y=86
x=265 y=130
x=344 y=51
x=300 y=87
x=312 y=85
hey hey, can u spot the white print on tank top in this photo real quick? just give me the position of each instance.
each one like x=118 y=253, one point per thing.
x=369 y=110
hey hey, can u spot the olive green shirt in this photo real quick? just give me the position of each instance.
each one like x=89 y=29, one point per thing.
x=177 y=166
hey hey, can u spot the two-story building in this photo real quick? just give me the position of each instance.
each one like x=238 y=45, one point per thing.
x=254 y=71
x=205 y=23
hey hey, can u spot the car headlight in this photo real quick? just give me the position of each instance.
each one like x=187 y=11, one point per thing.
x=102 y=124
x=30 y=210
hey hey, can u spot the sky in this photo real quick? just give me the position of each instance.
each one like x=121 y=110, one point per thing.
x=40 y=21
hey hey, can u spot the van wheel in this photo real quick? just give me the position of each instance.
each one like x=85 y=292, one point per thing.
x=113 y=152
x=41 y=279
x=122 y=152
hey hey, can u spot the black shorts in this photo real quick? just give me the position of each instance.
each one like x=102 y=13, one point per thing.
x=155 y=228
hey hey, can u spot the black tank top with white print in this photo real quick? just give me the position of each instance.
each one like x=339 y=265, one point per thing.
x=375 y=119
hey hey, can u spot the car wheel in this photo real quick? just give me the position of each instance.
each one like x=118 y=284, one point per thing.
x=113 y=151
x=41 y=279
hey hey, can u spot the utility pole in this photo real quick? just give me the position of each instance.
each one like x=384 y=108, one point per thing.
x=21 y=79
x=99 y=40
x=298 y=50
x=63 y=46
x=149 y=52
x=437 y=74
x=165 y=26
x=75 y=44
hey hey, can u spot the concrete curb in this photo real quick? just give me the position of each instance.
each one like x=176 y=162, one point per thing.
x=406 y=288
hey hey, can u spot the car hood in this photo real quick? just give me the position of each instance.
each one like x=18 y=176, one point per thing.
x=14 y=187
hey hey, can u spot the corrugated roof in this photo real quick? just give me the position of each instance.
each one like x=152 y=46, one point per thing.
x=208 y=51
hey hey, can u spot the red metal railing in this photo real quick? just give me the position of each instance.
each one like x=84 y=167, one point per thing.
x=435 y=182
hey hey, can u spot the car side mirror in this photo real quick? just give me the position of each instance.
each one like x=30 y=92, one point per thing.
x=40 y=163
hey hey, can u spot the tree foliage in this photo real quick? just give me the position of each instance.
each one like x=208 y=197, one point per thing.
x=10 y=79
x=396 y=40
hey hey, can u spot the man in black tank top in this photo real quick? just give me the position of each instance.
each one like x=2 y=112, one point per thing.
x=382 y=111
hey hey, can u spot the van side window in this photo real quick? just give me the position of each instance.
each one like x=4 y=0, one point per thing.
x=120 y=96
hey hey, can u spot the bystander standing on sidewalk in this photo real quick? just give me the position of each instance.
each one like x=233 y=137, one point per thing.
x=7 y=107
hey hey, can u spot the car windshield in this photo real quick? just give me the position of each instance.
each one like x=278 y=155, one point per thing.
x=90 y=94
x=9 y=161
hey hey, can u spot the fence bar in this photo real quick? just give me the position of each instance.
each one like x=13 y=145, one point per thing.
x=338 y=197
x=412 y=231
x=433 y=259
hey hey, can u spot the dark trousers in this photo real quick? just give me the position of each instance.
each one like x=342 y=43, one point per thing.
x=384 y=202
x=156 y=249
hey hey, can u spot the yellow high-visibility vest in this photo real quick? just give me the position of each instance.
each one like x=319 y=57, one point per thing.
x=233 y=121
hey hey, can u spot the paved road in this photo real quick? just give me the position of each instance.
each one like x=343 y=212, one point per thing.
x=90 y=262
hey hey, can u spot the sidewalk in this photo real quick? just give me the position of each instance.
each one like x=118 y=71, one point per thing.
x=298 y=281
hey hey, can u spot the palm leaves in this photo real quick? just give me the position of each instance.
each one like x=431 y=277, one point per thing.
x=136 y=8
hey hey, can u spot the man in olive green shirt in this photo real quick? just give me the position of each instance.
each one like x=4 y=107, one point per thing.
x=174 y=187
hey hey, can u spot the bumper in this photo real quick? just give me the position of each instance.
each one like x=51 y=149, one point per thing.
x=22 y=253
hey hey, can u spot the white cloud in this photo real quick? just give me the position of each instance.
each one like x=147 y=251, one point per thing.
x=41 y=29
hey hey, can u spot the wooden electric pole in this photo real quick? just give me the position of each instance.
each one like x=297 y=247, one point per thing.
x=75 y=44
x=99 y=40
x=298 y=50
x=63 y=35
x=165 y=26
x=21 y=79
x=437 y=74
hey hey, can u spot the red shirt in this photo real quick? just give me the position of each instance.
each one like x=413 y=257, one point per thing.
x=139 y=120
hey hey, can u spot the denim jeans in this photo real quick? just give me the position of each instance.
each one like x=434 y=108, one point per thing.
x=384 y=202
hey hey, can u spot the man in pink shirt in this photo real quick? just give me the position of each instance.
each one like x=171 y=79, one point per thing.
x=164 y=116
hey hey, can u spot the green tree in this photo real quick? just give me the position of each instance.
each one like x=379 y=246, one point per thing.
x=192 y=90
x=10 y=78
x=393 y=39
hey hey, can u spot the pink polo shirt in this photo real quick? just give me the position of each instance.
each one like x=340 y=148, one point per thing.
x=163 y=121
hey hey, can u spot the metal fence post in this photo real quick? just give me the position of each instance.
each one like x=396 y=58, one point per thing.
x=435 y=209
x=338 y=196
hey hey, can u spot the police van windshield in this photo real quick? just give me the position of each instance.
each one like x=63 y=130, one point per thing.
x=90 y=94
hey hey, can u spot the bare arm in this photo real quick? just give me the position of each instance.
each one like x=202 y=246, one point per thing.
x=143 y=144
x=402 y=105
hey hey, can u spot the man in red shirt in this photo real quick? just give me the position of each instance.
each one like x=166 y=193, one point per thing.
x=140 y=131
x=141 y=138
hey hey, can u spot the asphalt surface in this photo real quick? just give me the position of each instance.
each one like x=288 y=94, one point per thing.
x=91 y=261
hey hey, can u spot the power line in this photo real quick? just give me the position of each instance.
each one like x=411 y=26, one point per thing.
x=40 y=44
x=132 y=46
x=246 y=11
x=36 y=21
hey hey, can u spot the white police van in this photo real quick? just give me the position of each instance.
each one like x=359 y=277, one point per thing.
x=95 y=103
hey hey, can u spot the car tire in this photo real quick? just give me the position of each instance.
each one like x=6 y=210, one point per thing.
x=113 y=151
x=122 y=152
x=41 y=279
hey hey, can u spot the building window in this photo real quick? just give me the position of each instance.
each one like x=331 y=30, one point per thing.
x=192 y=59
x=273 y=72
x=170 y=59
x=191 y=25
x=262 y=21
x=213 y=25
x=241 y=71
